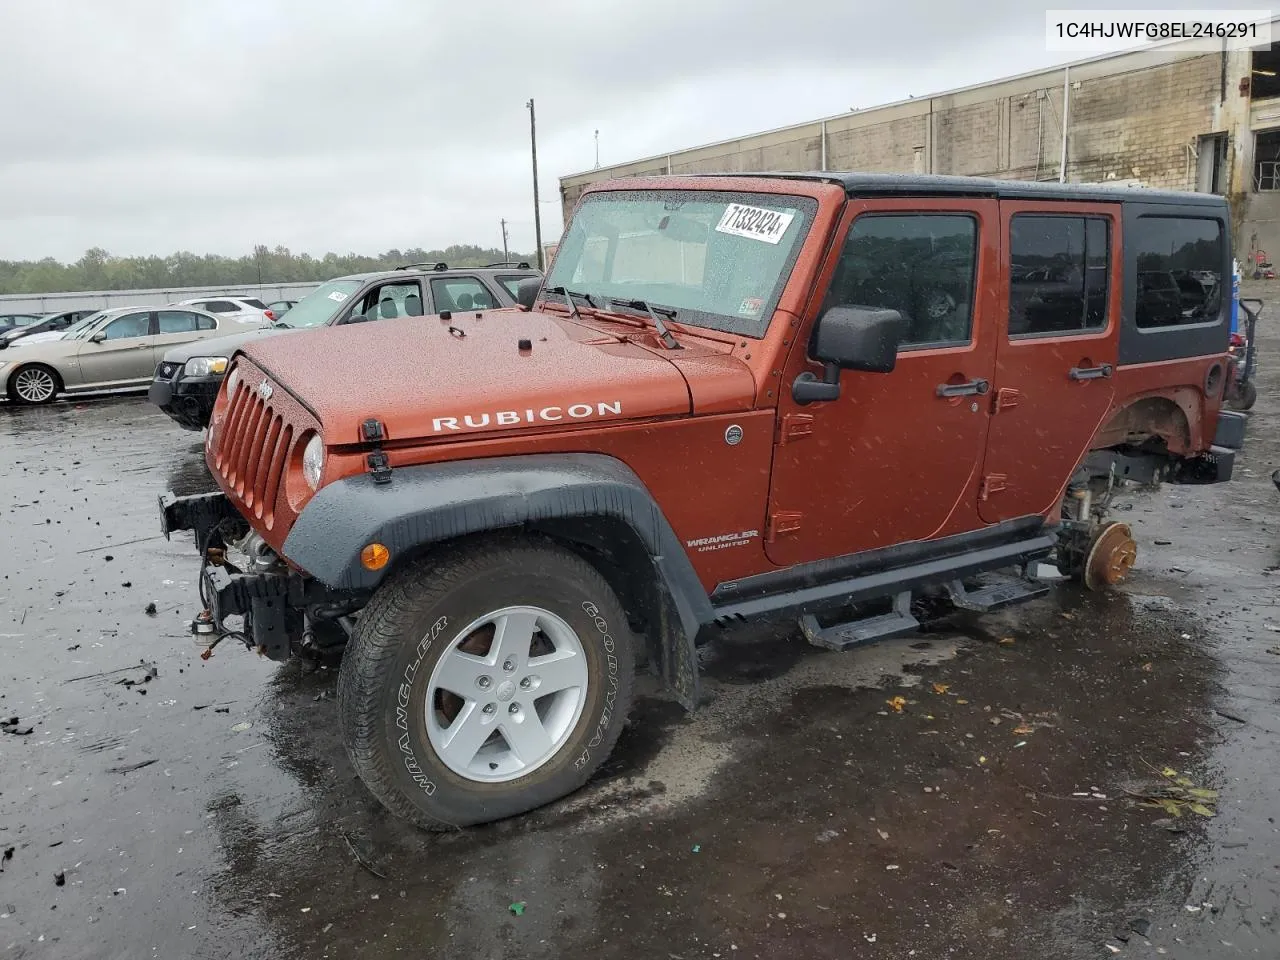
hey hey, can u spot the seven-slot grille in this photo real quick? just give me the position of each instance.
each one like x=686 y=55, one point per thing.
x=252 y=446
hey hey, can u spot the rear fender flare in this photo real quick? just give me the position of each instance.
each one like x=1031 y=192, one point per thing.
x=434 y=503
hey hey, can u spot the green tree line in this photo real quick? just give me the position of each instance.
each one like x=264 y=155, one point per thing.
x=99 y=270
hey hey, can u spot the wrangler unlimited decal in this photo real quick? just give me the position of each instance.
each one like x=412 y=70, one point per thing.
x=509 y=418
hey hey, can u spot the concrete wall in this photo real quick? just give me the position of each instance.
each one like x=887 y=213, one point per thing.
x=102 y=299
x=1136 y=117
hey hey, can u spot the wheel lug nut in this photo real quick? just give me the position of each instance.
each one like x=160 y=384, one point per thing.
x=508 y=665
x=515 y=708
x=525 y=684
x=490 y=709
x=484 y=683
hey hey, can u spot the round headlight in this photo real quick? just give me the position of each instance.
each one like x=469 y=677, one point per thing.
x=204 y=366
x=232 y=379
x=313 y=462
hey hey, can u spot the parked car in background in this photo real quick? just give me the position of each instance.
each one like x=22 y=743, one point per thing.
x=241 y=309
x=45 y=336
x=280 y=307
x=53 y=323
x=117 y=348
x=188 y=377
x=10 y=320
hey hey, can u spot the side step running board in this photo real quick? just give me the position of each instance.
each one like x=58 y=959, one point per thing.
x=842 y=636
x=997 y=595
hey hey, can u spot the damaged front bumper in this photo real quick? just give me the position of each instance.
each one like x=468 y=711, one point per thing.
x=280 y=606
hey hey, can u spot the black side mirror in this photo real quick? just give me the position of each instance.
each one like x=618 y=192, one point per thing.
x=527 y=292
x=849 y=338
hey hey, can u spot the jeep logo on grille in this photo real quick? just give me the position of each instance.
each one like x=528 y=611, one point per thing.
x=264 y=390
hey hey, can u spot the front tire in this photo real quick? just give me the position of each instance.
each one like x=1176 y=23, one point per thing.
x=485 y=682
x=33 y=384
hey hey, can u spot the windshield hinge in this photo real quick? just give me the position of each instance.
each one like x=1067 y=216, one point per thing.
x=379 y=465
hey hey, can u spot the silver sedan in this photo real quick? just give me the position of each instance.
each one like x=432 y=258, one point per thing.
x=119 y=348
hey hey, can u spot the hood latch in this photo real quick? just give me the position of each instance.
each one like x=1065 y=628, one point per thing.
x=379 y=466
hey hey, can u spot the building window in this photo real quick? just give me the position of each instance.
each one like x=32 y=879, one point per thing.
x=1266 y=160
x=1058 y=275
x=1265 y=79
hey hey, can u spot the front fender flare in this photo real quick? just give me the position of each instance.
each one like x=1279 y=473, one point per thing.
x=433 y=503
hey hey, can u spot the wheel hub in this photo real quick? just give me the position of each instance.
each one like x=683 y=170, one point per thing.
x=1111 y=557
x=529 y=661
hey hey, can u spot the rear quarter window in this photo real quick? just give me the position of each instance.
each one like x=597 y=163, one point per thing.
x=1179 y=271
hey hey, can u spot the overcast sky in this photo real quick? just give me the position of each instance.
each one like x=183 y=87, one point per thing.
x=148 y=126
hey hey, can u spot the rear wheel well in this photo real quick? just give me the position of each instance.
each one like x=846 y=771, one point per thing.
x=1148 y=421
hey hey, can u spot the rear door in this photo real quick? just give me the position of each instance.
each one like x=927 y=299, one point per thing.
x=176 y=326
x=895 y=458
x=460 y=294
x=1056 y=358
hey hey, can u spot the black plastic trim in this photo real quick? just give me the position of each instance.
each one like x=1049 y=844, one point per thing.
x=887 y=582
x=807 y=575
x=1230 y=432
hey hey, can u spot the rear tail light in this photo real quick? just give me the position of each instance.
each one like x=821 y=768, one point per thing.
x=270 y=315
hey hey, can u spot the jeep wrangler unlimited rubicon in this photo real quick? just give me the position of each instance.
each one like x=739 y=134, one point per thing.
x=824 y=395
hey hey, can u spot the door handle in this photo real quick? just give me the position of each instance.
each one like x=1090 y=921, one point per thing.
x=1091 y=373
x=972 y=388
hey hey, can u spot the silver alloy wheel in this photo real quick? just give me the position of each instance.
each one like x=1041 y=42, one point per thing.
x=496 y=715
x=34 y=385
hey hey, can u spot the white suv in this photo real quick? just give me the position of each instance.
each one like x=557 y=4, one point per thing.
x=248 y=310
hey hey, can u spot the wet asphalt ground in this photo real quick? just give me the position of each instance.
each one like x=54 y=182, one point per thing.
x=162 y=806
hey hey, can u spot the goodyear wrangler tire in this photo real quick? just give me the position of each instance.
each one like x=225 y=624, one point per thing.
x=485 y=682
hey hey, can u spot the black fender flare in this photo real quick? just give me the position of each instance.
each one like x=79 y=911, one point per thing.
x=433 y=503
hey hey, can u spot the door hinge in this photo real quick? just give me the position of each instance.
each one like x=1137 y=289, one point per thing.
x=794 y=427
x=782 y=522
x=1005 y=398
x=379 y=465
x=991 y=483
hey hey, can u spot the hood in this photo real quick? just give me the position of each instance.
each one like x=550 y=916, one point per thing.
x=424 y=377
x=220 y=346
x=30 y=338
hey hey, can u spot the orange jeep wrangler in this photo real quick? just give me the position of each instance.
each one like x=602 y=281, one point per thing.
x=822 y=395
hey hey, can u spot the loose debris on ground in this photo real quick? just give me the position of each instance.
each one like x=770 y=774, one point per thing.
x=1177 y=794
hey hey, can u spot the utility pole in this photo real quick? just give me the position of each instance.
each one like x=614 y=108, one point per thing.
x=505 y=256
x=537 y=211
x=597 y=149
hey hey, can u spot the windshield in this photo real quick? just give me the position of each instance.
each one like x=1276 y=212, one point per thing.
x=719 y=260
x=318 y=307
x=81 y=324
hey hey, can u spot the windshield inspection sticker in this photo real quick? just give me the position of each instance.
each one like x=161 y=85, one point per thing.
x=755 y=223
x=750 y=307
x=338 y=296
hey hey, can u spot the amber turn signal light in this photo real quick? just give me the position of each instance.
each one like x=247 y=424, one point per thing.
x=374 y=556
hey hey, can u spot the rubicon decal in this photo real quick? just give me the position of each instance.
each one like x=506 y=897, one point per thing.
x=722 y=542
x=510 y=418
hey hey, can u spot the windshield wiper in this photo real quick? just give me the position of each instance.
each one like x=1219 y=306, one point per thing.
x=664 y=332
x=568 y=298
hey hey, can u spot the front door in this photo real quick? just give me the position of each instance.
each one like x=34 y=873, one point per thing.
x=896 y=457
x=1053 y=384
x=124 y=353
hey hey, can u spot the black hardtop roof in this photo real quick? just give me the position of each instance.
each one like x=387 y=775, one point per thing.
x=919 y=184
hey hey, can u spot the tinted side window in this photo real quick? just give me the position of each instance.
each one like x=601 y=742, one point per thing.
x=205 y=323
x=1058 y=274
x=177 y=321
x=461 y=293
x=921 y=265
x=130 y=325
x=255 y=303
x=512 y=284
x=1179 y=271
x=221 y=306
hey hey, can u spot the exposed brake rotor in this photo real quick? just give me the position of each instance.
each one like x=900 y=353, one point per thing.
x=1111 y=557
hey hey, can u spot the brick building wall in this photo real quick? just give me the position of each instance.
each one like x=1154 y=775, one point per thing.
x=1133 y=117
